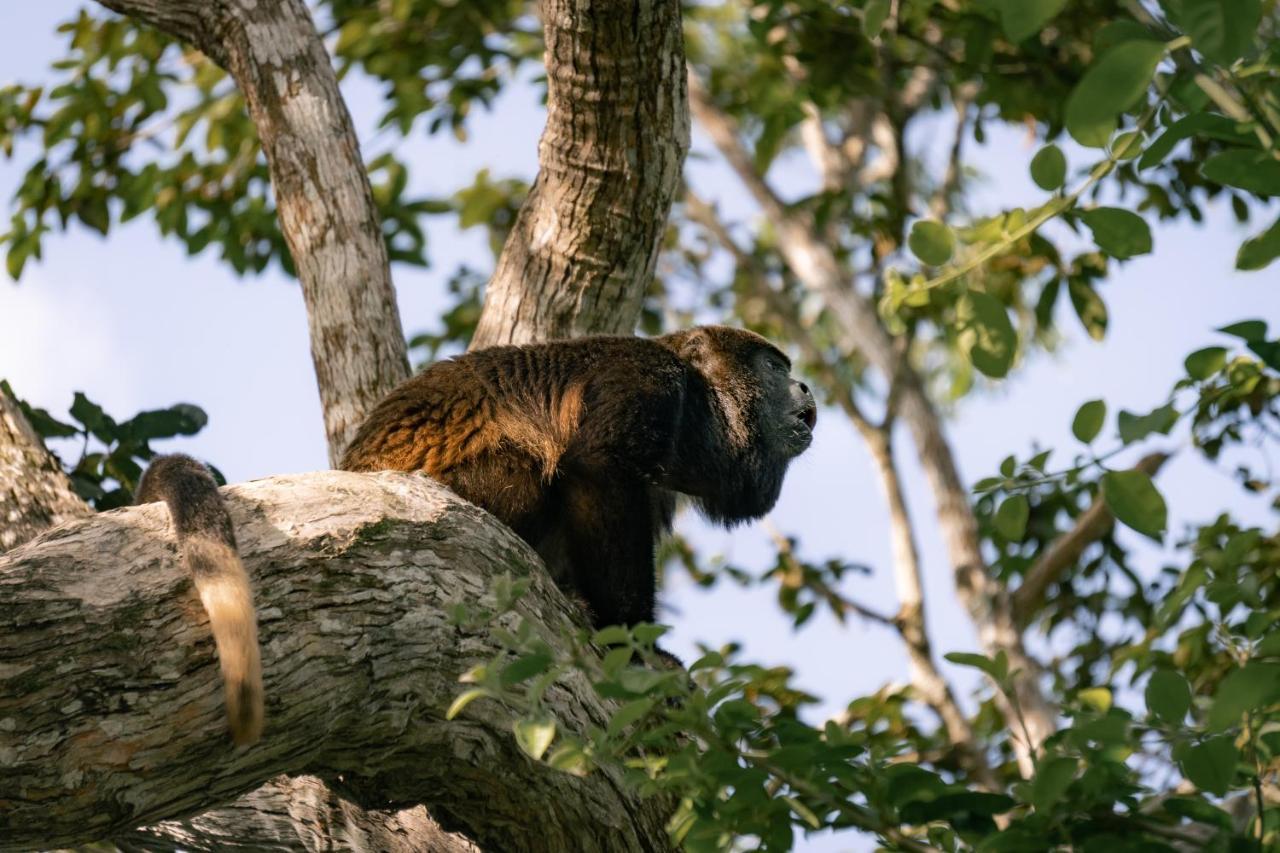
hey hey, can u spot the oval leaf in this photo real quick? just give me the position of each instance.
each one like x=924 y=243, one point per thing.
x=1011 y=518
x=1112 y=85
x=1203 y=363
x=1168 y=696
x=1253 y=171
x=1211 y=765
x=1120 y=233
x=534 y=736
x=1222 y=30
x=1258 y=252
x=1024 y=18
x=986 y=333
x=1135 y=501
x=1090 y=308
x=1255 y=686
x=1053 y=776
x=1089 y=420
x=1049 y=168
x=931 y=242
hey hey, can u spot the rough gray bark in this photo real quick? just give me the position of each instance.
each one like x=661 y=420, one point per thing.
x=296 y=813
x=326 y=208
x=110 y=710
x=584 y=245
x=34 y=493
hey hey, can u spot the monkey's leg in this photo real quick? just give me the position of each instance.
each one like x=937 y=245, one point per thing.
x=608 y=532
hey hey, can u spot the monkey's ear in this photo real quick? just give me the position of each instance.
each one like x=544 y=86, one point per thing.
x=694 y=346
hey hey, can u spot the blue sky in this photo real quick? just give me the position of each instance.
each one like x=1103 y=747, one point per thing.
x=135 y=323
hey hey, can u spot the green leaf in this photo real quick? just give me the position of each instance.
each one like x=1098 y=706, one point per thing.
x=1024 y=18
x=1203 y=363
x=1120 y=233
x=534 y=735
x=1223 y=30
x=1135 y=501
x=1049 y=168
x=1097 y=698
x=1248 y=330
x=569 y=758
x=628 y=714
x=986 y=333
x=1255 y=686
x=991 y=667
x=1259 y=251
x=1137 y=427
x=932 y=242
x=874 y=14
x=1011 y=518
x=1168 y=696
x=1199 y=811
x=1127 y=146
x=1089 y=420
x=95 y=420
x=1211 y=765
x=1211 y=125
x=1053 y=776
x=958 y=804
x=1112 y=85
x=611 y=636
x=1090 y=308
x=525 y=667
x=464 y=699
x=1257 y=172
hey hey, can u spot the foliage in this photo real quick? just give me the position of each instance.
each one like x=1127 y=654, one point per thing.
x=111 y=453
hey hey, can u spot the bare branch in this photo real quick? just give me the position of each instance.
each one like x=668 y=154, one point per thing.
x=355 y=576
x=585 y=243
x=1092 y=525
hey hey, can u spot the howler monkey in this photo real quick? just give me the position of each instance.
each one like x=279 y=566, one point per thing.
x=579 y=445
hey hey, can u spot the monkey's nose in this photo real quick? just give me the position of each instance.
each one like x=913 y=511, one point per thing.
x=804 y=388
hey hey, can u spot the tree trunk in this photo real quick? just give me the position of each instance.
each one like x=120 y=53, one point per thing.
x=110 y=692
x=326 y=207
x=34 y=493
x=584 y=245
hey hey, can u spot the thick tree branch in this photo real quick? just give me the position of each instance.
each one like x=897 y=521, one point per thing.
x=1092 y=525
x=110 y=694
x=326 y=207
x=34 y=492
x=817 y=267
x=586 y=240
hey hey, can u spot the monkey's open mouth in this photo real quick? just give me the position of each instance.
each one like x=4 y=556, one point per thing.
x=808 y=416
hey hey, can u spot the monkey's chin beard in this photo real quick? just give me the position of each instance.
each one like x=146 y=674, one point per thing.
x=798 y=439
x=801 y=433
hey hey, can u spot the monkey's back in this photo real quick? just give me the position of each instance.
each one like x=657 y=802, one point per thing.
x=502 y=415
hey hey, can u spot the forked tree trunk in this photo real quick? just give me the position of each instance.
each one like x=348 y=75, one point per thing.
x=586 y=240
x=612 y=153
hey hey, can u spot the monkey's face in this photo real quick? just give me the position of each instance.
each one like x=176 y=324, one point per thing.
x=786 y=413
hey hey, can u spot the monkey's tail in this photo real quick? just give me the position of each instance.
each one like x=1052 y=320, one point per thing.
x=208 y=545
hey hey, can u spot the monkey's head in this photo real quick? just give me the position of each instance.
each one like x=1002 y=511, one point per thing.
x=765 y=419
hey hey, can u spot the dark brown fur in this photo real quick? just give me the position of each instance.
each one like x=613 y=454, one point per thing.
x=580 y=445
x=208 y=546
